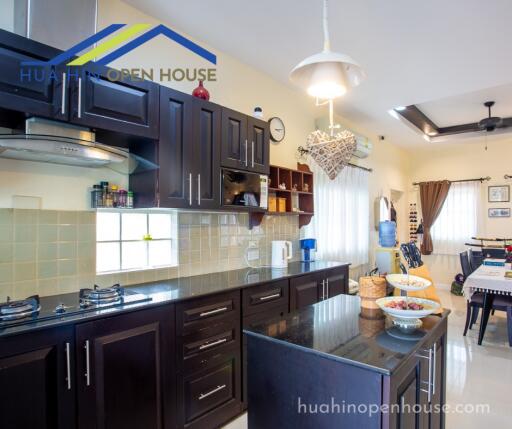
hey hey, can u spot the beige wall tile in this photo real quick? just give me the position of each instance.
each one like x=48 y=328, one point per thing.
x=6 y=252
x=48 y=217
x=6 y=273
x=25 y=233
x=6 y=233
x=24 y=271
x=6 y=216
x=48 y=233
x=24 y=252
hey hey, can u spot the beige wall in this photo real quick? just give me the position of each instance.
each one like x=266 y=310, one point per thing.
x=465 y=161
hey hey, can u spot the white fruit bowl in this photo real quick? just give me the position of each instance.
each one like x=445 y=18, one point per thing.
x=407 y=283
x=429 y=307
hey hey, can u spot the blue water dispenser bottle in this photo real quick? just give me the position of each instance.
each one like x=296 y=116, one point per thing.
x=308 y=246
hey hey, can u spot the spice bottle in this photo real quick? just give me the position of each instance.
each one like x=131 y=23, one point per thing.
x=114 y=195
x=129 y=200
x=122 y=196
x=104 y=193
x=97 y=196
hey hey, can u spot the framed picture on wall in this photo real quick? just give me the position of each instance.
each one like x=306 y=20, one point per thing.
x=505 y=212
x=499 y=194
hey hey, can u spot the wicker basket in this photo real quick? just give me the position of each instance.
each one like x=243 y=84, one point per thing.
x=371 y=288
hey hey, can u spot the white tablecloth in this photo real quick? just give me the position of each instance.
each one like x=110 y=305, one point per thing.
x=488 y=279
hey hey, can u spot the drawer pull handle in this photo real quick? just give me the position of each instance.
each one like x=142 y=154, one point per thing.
x=211 y=392
x=68 y=366
x=217 y=310
x=215 y=343
x=265 y=298
x=87 y=364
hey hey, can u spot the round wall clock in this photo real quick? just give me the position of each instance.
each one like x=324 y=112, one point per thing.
x=277 y=130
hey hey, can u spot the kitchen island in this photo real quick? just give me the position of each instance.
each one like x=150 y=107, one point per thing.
x=329 y=366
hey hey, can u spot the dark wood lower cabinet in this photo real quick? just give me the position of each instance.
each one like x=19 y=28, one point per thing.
x=125 y=371
x=37 y=387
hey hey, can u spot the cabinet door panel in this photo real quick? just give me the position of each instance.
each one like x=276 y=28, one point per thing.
x=338 y=281
x=33 y=375
x=304 y=291
x=175 y=151
x=126 y=106
x=259 y=145
x=234 y=139
x=206 y=157
x=438 y=388
x=34 y=90
x=130 y=364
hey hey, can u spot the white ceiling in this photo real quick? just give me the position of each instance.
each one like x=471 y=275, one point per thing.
x=413 y=51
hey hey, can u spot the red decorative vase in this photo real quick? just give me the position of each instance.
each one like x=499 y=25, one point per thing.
x=201 y=92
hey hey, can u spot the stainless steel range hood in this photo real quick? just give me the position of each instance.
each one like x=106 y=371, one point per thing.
x=59 y=143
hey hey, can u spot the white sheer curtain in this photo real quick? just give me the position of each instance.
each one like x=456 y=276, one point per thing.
x=341 y=221
x=458 y=220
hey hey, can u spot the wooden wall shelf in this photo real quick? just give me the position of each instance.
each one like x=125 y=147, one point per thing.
x=298 y=193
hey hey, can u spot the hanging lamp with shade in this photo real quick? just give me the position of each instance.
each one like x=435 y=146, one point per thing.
x=327 y=75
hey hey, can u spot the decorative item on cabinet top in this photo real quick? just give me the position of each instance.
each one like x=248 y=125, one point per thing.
x=201 y=92
x=290 y=194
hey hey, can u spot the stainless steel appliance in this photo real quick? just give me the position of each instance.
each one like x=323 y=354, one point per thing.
x=244 y=189
x=35 y=309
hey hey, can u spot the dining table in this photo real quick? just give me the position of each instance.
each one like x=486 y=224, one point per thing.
x=491 y=280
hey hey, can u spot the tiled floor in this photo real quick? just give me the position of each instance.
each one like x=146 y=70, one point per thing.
x=475 y=374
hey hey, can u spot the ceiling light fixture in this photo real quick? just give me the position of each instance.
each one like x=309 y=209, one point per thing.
x=327 y=75
x=400 y=108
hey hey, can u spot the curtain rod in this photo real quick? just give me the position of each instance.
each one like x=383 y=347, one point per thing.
x=302 y=151
x=479 y=179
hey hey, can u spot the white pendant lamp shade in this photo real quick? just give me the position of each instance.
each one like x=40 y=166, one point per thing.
x=327 y=75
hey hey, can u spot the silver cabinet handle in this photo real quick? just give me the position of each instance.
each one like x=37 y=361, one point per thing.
x=211 y=392
x=87 y=364
x=215 y=343
x=323 y=289
x=198 y=189
x=434 y=369
x=264 y=298
x=63 y=100
x=68 y=366
x=327 y=287
x=429 y=382
x=79 y=97
x=252 y=154
x=189 y=189
x=209 y=313
x=246 y=163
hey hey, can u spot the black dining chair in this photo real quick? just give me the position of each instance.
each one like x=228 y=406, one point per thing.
x=500 y=302
x=475 y=259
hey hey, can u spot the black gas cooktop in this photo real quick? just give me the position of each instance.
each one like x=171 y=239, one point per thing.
x=34 y=309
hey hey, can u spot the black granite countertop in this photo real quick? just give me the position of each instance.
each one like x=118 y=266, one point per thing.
x=169 y=291
x=336 y=329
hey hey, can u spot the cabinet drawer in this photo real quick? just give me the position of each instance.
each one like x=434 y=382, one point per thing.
x=210 y=392
x=197 y=349
x=200 y=313
x=264 y=297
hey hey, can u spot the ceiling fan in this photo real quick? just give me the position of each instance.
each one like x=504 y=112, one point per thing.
x=491 y=122
x=418 y=120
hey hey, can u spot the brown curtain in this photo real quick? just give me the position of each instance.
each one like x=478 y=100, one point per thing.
x=432 y=197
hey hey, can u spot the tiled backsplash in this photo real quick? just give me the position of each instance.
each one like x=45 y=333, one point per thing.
x=49 y=252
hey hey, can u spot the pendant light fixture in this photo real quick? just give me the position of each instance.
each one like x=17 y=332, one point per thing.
x=328 y=74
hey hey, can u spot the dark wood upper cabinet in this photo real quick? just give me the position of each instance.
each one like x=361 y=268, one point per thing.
x=245 y=142
x=206 y=153
x=175 y=151
x=37 y=379
x=189 y=175
x=125 y=371
x=34 y=90
x=99 y=100
x=234 y=139
x=258 y=140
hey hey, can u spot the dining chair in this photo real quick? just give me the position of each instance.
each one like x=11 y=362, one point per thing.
x=500 y=302
x=475 y=259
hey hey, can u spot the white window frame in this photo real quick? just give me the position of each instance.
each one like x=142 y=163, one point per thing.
x=173 y=239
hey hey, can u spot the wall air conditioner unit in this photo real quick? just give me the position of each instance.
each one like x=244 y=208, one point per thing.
x=364 y=146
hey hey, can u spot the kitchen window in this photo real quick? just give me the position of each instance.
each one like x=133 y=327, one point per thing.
x=135 y=241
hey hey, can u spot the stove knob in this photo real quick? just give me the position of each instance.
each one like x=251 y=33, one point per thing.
x=60 y=309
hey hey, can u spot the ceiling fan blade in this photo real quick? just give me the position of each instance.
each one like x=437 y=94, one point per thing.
x=505 y=123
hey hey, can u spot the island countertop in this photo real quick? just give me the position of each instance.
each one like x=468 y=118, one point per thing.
x=336 y=329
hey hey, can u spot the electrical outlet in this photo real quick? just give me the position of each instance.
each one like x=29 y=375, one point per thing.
x=253 y=254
